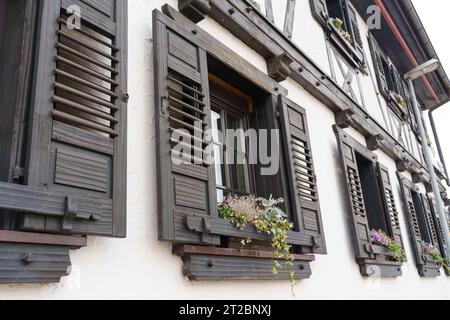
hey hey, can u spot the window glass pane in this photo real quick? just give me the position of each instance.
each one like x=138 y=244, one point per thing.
x=216 y=119
x=219 y=166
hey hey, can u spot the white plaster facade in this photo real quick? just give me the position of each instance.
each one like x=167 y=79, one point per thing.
x=141 y=267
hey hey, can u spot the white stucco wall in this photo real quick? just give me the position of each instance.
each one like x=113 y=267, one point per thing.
x=140 y=267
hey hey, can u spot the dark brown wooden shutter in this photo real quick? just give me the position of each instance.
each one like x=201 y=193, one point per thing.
x=78 y=123
x=389 y=202
x=320 y=11
x=300 y=167
x=356 y=33
x=378 y=65
x=442 y=239
x=429 y=221
x=425 y=266
x=398 y=81
x=182 y=98
x=354 y=195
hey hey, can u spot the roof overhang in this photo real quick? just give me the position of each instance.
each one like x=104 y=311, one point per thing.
x=409 y=25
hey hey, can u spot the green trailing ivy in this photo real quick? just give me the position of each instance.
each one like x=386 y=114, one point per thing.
x=268 y=218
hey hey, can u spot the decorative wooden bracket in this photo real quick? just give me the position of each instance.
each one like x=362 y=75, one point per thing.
x=446 y=200
x=344 y=119
x=194 y=10
x=80 y=209
x=279 y=67
x=422 y=177
x=404 y=165
x=374 y=142
x=205 y=228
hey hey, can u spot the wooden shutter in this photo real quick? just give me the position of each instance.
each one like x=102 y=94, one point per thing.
x=301 y=172
x=398 y=81
x=389 y=202
x=425 y=266
x=354 y=195
x=78 y=123
x=429 y=221
x=357 y=40
x=182 y=98
x=442 y=239
x=320 y=11
x=378 y=65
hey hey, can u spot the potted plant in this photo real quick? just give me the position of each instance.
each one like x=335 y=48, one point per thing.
x=268 y=218
x=401 y=101
x=394 y=248
x=433 y=252
x=338 y=24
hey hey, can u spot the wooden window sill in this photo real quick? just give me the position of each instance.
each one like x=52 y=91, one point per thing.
x=344 y=46
x=214 y=264
x=43 y=239
x=380 y=268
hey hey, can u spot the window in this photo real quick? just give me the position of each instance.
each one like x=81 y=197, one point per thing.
x=63 y=122
x=425 y=228
x=199 y=80
x=391 y=84
x=230 y=112
x=339 y=19
x=372 y=206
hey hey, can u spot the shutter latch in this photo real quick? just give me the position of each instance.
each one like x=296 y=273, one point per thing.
x=80 y=209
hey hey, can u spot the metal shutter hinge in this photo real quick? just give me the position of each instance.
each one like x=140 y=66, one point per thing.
x=18 y=173
x=125 y=97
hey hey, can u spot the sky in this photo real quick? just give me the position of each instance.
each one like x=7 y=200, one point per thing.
x=436 y=25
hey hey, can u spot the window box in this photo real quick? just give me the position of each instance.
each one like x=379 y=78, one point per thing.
x=206 y=263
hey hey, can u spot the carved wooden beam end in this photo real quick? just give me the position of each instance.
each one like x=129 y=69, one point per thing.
x=279 y=67
x=194 y=10
x=404 y=165
x=345 y=119
x=374 y=142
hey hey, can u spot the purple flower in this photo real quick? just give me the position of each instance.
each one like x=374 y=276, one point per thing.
x=379 y=237
x=428 y=248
